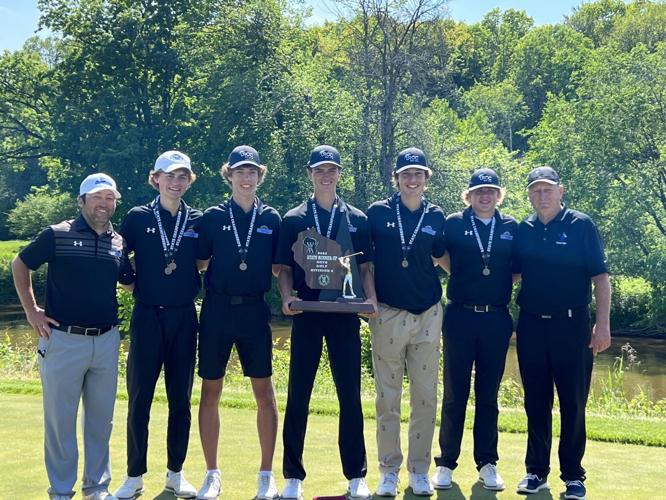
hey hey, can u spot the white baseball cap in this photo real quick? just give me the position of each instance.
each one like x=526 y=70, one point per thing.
x=98 y=182
x=172 y=160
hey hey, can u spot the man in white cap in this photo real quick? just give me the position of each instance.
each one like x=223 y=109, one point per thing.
x=78 y=335
x=163 y=236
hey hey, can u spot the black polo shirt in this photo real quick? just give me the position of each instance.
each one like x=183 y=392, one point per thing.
x=467 y=284
x=301 y=218
x=415 y=288
x=142 y=236
x=556 y=261
x=84 y=268
x=218 y=243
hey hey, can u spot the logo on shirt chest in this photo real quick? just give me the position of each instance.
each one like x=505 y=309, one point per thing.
x=506 y=235
x=263 y=229
x=469 y=232
x=77 y=243
x=150 y=230
x=226 y=228
x=390 y=224
x=428 y=230
x=561 y=239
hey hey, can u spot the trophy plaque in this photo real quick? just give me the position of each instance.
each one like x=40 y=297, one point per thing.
x=332 y=270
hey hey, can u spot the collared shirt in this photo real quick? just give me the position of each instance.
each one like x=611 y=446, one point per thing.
x=417 y=287
x=301 y=218
x=556 y=261
x=218 y=243
x=152 y=285
x=467 y=284
x=84 y=268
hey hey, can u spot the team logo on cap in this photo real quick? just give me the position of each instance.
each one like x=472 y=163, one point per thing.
x=326 y=154
x=246 y=154
x=102 y=181
x=485 y=178
x=411 y=158
x=176 y=157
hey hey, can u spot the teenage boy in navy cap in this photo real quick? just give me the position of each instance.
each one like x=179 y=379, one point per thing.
x=78 y=336
x=559 y=254
x=237 y=243
x=324 y=211
x=477 y=325
x=162 y=234
x=407 y=232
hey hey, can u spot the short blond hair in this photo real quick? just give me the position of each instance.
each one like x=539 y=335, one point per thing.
x=153 y=174
x=225 y=172
x=465 y=195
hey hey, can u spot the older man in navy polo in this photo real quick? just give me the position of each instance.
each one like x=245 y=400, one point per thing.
x=78 y=335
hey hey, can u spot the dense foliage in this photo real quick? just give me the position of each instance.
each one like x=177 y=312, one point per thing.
x=119 y=81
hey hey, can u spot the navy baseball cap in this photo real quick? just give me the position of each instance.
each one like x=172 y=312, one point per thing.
x=484 y=177
x=244 y=155
x=324 y=154
x=410 y=158
x=543 y=174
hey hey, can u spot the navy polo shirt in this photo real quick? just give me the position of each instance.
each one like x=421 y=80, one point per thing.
x=301 y=218
x=152 y=285
x=84 y=268
x=556 y=261
x=218 y=243
x=467 y=284
x=415 y=288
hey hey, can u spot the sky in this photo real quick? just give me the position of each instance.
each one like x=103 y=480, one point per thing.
x=19 y=18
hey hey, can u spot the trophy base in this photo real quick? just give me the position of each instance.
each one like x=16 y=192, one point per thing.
x=352 y=306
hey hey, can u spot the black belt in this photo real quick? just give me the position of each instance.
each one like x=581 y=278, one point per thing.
x=485 y=308
x=236 y=300
x=83 y=330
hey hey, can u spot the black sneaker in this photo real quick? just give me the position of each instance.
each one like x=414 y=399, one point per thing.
x=532 y=483
x=575 y=490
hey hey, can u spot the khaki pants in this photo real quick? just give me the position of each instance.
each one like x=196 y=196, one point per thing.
x=398 y=338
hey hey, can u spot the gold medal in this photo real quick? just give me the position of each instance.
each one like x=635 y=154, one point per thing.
x=405 y=263
x=243 y=266
x=168 y=270
x=486 y=271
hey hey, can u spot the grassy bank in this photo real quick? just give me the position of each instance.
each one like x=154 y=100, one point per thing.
x=614 y=470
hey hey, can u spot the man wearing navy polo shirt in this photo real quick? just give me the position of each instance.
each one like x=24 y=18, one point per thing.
x=407 y=232
x=162 y=235
x=237 y=243
x=325 y=211
x=559 y=254
x=78 y=335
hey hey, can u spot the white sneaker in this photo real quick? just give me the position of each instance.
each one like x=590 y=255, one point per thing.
x=358 y=489
x=61 y=497
x=388 y=485
x=212 y=486
x=178 y=485
x=100 y=495
x=293 y=489
x=442 y=478
x=420 y=484
x=266 y=489
x=490 y=478
x=131 y=488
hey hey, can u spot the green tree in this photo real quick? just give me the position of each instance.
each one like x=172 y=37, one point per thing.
x=39 y=209
x=596 y=20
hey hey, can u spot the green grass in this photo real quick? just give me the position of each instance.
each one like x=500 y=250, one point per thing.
x=614 y=470
x=9 y=248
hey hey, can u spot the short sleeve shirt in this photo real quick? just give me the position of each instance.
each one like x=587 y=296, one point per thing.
x=417 y=287
x=84 y=268
x=217 y=242
x=467 y=284
x=557 y=261
x=142 y=235
x=301 y=218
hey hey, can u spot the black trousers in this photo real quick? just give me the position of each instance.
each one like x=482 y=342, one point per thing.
x=160 y=337
x=343 y=344
x=555 y=351
x=479 y=339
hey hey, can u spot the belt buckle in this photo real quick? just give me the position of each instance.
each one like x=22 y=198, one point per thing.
x=481 y=309
x=95 y=330
x=546 y=316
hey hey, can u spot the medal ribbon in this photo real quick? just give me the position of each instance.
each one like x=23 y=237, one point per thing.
x=485 y=256
x=170 y=248
x=406 y=248
x=242 y=251
x=330 y=222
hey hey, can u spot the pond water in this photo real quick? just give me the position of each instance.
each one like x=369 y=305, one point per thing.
x=648 y=372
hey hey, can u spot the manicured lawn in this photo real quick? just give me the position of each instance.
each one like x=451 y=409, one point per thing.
x=615 y=470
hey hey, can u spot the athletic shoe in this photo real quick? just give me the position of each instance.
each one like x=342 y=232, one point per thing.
x=442 y=478
x=61 y=497
x=178 y=485
x=132 y=487
x=358 y=489
x=212 y=486
x=293 y=489
x=420 y=484
x=266 y=489
x=100 y=495
x=575 y=490
x=388 y=485
x=490 y=478
x=532 y=483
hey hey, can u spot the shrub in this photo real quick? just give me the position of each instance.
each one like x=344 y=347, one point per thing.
x=38 y=210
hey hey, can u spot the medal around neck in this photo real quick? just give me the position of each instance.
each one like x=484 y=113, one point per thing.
x=330 y=267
